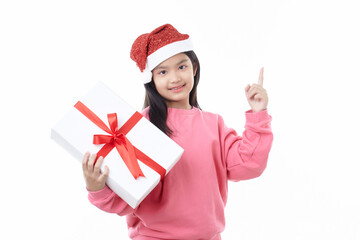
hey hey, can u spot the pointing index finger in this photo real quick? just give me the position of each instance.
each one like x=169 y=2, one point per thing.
x=261 y=77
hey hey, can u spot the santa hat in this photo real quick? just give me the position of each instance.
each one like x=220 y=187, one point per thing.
x=151 y=49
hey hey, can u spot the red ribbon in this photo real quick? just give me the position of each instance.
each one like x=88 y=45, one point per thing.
x=118 y=139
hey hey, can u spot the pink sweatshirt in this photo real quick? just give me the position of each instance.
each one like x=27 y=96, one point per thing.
x=189 y=203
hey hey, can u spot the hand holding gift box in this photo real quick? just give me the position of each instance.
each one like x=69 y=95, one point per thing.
x=94 y=178
x=128 y=138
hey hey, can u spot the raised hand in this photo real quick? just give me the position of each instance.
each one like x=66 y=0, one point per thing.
x=95 y=180
x=256 y=95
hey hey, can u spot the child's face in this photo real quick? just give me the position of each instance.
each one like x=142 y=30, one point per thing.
x=174 y=80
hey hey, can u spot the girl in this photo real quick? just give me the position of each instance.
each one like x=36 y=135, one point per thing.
x=189 y=203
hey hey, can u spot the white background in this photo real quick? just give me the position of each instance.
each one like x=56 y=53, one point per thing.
x=52 y=52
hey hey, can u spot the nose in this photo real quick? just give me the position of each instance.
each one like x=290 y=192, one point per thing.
x=175 y=77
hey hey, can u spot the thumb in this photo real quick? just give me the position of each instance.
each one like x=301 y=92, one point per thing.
x=247 y=88
x=105 y=174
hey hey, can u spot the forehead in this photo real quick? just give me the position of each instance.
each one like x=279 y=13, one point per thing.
x=174 y=60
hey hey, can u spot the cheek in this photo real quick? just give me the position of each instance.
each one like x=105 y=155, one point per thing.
x=159 y=85
x=190 y=78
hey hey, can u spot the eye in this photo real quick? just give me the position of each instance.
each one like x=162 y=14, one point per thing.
x=162 y=72
x=182 y=67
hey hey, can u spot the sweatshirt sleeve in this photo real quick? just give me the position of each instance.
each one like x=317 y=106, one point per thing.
x=246 y=156
x=108 y=201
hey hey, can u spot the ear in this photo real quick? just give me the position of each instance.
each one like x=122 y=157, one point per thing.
x=195 y=70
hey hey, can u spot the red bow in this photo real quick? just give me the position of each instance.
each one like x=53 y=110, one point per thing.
x=118 y=139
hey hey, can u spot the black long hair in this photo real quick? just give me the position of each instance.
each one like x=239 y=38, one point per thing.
x=157 y=106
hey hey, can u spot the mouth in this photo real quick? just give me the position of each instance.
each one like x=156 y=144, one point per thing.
x=177 y=88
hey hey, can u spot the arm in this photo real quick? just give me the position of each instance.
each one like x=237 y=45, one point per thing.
x=246 y=157
x=101 y=195
x=106 y=200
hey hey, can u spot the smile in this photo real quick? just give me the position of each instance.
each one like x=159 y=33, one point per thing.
x=177 y=88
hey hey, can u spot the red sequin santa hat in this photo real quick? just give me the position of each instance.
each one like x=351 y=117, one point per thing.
x=151 y=49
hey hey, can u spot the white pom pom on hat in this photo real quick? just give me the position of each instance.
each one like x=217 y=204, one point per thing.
x=150 y=49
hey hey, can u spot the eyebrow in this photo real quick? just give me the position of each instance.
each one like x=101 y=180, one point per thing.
x=164 y=67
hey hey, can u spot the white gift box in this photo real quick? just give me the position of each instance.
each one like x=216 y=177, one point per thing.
x=75 y=133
